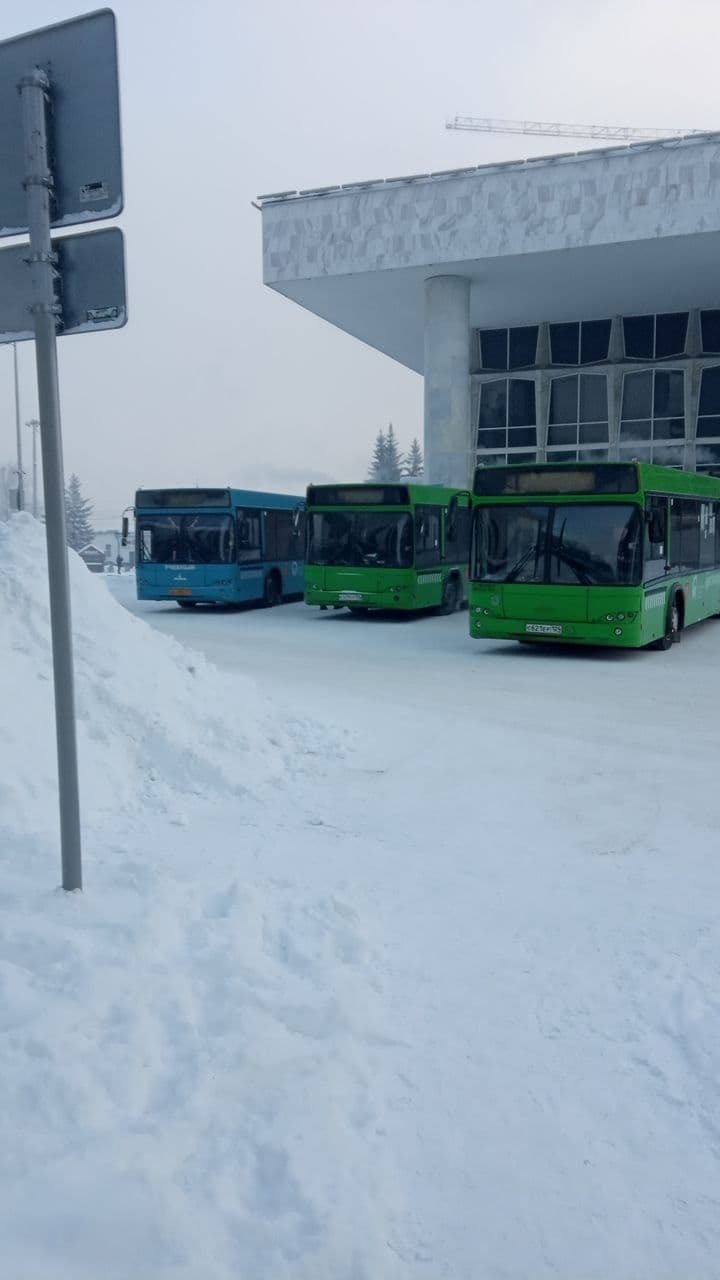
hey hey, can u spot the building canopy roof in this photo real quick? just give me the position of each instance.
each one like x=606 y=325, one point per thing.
x=622 y=230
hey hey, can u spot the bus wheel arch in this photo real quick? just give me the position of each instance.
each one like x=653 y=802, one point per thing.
x=272 y=589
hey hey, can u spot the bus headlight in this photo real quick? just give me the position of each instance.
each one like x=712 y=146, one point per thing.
x=609 y=617
x=621 y=617
x=618 y=631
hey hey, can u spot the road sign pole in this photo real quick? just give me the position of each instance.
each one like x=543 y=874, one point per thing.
x=34 y=88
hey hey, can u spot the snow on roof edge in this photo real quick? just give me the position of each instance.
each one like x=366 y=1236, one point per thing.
x=561 y=157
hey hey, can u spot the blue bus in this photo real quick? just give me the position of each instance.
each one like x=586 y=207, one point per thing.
x=218 y=546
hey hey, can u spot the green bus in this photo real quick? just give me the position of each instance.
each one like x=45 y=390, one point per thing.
x=386 y=546
x=622 y=554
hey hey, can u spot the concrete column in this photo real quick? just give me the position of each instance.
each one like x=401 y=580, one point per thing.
x=449 y=449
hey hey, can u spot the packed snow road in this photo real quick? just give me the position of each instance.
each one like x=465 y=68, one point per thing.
x=396 y=956
x=526 y=840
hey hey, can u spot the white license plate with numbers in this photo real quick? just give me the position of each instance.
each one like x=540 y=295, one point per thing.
x=543 y=629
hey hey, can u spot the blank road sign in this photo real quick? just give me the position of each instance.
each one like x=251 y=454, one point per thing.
x=91 y=285
x=80 y=58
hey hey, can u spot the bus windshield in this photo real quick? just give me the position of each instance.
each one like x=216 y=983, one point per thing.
x=579 y=544
x=186 y=539
x=361 y=538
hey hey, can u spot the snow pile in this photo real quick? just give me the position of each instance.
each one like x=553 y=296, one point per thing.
x=156 y=723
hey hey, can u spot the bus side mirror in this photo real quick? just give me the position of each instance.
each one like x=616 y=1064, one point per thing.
x=125 y=526
x=296 y=517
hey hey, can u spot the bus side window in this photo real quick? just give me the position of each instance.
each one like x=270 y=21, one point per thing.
x=248 y=535
x=656 y=514
x=427 y=536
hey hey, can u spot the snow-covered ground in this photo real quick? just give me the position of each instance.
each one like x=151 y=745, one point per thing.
x=396 y=957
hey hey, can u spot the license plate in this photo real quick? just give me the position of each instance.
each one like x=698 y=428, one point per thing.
x=542 y=629
x=180 y=591
x=350 y=595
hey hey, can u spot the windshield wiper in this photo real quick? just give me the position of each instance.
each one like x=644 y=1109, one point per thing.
x=520 y=564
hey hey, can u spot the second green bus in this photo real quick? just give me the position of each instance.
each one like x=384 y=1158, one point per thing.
x=386 y=546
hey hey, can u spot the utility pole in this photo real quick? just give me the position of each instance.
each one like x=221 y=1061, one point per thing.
x=34 y=427
x=18 y=435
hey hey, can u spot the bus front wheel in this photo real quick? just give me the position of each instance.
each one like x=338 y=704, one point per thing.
x=187 y=604
x=673 y=626
x=272 y=593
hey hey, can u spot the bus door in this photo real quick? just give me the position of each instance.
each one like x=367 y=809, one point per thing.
x=656 y=538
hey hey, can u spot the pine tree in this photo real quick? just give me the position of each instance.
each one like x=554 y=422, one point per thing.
x=377 y=462
x=393 y=458
x=413 y=464
x=78 y=511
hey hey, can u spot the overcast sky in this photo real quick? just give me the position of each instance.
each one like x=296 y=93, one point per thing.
x=216 y=379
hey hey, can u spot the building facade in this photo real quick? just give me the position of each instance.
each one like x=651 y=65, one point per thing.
x=558 y=307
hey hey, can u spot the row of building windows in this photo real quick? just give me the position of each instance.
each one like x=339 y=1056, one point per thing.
x=652 y=417
x=653 y=337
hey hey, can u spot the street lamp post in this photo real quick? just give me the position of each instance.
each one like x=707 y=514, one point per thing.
x=20 y=484
x=34 y=427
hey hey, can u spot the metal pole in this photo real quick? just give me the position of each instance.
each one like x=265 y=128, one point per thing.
x=34 y=426
x=34 y=89
x=18 y=434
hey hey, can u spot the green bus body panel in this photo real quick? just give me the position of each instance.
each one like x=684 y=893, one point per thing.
x=368 y=587
x=595 y=615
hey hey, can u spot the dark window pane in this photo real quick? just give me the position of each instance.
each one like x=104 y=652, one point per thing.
x=593 y=398
x=708 y=455
x=710 y=330
x=637 y=395
x=668 y=455
x=521 y=409
x=493 y=401
x=521 y=438
x=710 y=391
x=564 y=343
x=594 y=341
x=491 y=438
x=491 y=459
x=565 y=433
x=708 y=427
x=638 y=332
x=638 y=453
x=523 y=347
x=670 y=334
x=493 y=348
x=669 y=429
x=522 y=457
x=562 y=455
x=563 y=400
x=592 y=455
x=669 y=394
x=636 y=430
x=593 y=433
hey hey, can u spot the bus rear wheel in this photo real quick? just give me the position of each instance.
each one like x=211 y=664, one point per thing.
x=272 y=593
x=673 y=624
x=450 y=597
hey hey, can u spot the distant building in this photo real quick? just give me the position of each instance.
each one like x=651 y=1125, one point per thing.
x=94 y=558
x=559 y=308
x=111 y=542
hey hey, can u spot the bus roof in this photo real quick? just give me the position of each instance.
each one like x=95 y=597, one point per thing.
x=378 y=494
x=193 y=499
x=591 y=480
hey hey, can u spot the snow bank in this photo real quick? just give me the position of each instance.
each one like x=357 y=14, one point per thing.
x=156 y=722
